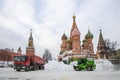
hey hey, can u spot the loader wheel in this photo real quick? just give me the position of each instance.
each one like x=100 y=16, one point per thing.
x=76 y=68
x=89 y=68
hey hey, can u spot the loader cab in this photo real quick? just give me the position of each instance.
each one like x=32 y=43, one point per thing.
x=82 y=60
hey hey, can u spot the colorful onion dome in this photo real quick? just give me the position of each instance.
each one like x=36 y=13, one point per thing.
x=84 y=40
x=64 y=36
x=89 y=35
x=61 y=52
x=76 y=32
x=68 y=42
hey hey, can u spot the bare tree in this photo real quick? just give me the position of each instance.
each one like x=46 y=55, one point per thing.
x=110 y=46
x=47 y=55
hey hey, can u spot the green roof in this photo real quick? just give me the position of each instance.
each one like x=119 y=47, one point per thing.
x=64 y=36
x=89 y=35
x=84 y=40
x=61 y=52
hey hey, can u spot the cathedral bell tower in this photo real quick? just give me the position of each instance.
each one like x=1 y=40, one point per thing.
x=101 y=46
x=75 y=37
x=30 y=50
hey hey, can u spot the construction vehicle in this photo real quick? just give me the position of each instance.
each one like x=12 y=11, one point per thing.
x=84 y=64
x=28 y=63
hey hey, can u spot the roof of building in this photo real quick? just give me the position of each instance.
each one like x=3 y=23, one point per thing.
x=68 y=42
x=64 y=36
x=84 y=40
x=89 y=35
x=76 y=32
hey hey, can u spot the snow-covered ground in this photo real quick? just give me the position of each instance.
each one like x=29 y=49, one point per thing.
x=58 y=71
x=11 y=74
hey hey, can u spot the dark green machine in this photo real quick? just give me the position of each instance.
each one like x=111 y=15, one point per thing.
x=85 y=64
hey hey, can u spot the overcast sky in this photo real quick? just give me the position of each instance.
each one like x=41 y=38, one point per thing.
x=49 y=19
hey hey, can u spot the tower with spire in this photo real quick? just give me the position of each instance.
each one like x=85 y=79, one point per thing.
x=63 y=45
x=89 y=37
x=19 y=50
x=101 y=45
x=74 y=25
x=30 y=50
x=75 y=37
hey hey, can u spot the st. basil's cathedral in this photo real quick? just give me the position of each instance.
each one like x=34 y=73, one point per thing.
x=72 y=48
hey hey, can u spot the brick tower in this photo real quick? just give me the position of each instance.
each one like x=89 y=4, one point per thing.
x=19 y=50
x=63 y=45
x=89 y=37
x=101 y=46
x=30 y=50
x=75 y=37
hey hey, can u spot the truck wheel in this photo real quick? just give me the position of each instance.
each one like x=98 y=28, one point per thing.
x=34 y=68
x=27 y=69
x=39 y=67
x=18 y=70
x=42 y=67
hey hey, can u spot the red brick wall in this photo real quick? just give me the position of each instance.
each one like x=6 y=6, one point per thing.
x=7 y=55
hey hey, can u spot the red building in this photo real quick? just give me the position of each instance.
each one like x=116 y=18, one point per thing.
x=7 y=55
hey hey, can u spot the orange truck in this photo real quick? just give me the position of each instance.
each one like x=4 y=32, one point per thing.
x=28 y=63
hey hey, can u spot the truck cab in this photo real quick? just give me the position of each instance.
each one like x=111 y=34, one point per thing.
x=21 y=63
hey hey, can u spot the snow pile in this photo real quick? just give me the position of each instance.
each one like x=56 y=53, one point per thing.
x=74 y=63
x=103 y=65
x=6 y=63
x=54 y=65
